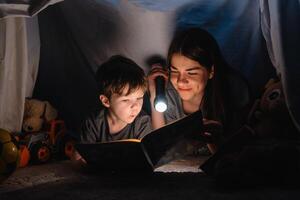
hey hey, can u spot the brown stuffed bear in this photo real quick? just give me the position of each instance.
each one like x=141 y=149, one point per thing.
x=269 y=117
x=264 y=151
x=36 y=113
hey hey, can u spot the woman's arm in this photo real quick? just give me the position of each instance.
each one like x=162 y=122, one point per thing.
x=157 y=118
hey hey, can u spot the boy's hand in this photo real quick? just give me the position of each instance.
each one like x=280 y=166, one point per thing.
x=78 y=163
x=76 y=157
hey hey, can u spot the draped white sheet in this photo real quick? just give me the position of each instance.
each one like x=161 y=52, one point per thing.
x=19 y=57
x=280 y=22
x=19 y=54
x=23 y=8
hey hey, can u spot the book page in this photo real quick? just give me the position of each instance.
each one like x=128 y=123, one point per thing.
x=123 y=140
x=161 y=141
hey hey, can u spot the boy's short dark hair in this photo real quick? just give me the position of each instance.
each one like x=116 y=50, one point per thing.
x=118 y=72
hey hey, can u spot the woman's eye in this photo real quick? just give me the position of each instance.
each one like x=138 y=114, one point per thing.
x=174 y=72
x=192 y=73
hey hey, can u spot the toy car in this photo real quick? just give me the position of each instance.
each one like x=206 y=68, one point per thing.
x=40 y=147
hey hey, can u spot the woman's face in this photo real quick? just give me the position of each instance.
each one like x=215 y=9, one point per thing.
x=189 y=78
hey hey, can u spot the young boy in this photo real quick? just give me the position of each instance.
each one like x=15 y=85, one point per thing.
x=122 y=84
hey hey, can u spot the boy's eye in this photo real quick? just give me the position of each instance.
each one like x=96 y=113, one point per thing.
x=125 y=100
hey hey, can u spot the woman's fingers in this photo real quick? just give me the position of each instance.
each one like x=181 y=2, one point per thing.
x=212 y=129
x=157 y=65
x=212 y=148
x=209 y=121
x=157 y=71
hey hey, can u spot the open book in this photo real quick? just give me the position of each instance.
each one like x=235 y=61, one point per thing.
x=153 y=150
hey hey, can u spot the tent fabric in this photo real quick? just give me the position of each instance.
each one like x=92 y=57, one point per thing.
x=65 y=78
x=19 y=57
x=105 y=28
x=77 y=36
x=281 y=28
x=140 y=29
x=19 y=53
x=23 y=8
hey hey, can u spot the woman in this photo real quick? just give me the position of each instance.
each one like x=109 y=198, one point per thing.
x=197 y=80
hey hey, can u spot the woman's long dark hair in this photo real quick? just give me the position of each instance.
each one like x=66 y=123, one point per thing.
x=199 y=45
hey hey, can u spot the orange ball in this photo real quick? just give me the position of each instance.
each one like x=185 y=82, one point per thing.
x=9 y=155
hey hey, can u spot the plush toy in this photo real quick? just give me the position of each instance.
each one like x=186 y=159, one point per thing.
x=269 y=117
x=266 y=150
x=36 y=113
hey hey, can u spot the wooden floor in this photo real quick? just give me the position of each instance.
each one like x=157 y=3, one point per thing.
x=180 y=179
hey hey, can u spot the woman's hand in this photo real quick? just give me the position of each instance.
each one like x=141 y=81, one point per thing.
x=212 y=127
x=156 y=70
x=157 y=118
x=214 y=130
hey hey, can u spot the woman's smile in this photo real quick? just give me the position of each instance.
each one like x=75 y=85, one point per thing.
x=184 y=89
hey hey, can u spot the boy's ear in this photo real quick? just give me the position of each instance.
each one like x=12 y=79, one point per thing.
x=104 y=100
x=212 y=72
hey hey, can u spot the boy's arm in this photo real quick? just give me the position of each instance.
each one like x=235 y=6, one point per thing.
x=143 y=126
x=88 y=131
x=86 y=135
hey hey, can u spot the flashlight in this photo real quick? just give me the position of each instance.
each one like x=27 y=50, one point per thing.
x=160 y=101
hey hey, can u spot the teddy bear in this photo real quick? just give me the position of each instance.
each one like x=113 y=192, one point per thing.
x=266 y=150
x=36 y=113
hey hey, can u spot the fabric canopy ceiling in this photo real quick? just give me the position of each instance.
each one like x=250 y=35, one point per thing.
x=14 y=8
x=77 y=36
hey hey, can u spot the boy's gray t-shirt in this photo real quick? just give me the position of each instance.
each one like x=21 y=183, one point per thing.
x=95 y=128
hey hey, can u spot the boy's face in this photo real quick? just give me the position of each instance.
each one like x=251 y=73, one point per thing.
x=124 y=108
